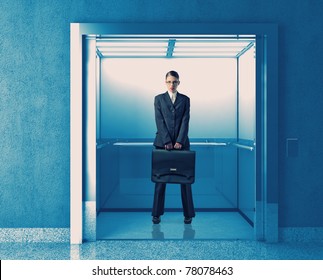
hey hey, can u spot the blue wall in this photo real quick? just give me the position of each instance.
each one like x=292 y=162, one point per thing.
x=34 y=97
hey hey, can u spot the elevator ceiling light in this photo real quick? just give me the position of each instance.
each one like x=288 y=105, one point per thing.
x=132 y=44
x=212 y=43
x=132 y=49
x=172 y=47
x=137 y=54
x=205 y=54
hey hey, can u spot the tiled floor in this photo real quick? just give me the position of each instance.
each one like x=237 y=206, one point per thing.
x=124 y=236
x=163 y=250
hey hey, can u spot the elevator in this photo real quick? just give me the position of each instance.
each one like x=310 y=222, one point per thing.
x=222 y=74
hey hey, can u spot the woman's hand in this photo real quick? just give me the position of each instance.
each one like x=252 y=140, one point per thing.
x=178 y=146
x=169 y=146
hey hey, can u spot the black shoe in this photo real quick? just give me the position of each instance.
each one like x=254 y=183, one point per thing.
x=156 y=220
x=188 y=220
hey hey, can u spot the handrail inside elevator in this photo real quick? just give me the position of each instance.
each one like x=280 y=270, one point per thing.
x=194 y=143
x=151 y=143
x=245 y=147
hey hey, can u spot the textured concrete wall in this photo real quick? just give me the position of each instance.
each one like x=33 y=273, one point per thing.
x=34 y=97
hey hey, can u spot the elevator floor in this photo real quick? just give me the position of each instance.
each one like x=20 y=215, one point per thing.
x=206 y=225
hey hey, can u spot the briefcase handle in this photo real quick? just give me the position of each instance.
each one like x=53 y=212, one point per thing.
x=167 y=172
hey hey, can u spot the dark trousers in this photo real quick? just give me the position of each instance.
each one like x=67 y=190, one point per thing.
x=159 y=200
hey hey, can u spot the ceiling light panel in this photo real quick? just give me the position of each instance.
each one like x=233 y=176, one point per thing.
x=132 y=47
x=173 y=47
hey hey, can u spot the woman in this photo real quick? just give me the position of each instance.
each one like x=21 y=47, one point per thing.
x=172 y=114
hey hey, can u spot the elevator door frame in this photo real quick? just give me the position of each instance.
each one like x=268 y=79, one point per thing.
x=83 y=145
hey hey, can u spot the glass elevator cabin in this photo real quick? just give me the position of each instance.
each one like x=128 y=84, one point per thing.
x=218 y=73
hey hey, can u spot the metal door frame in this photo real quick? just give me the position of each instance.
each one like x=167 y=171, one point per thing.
x=83 y=146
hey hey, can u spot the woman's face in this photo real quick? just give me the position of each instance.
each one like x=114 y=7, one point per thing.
x=172 y=83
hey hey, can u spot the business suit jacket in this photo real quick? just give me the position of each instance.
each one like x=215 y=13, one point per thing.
x=172 y=120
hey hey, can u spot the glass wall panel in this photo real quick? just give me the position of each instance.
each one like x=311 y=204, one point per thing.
x=247 y=96
x=128 y=88
x=247 y=120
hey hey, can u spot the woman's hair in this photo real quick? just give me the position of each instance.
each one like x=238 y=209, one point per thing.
x=172 y=73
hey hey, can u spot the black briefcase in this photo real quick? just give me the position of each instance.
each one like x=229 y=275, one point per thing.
x=174 y=166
